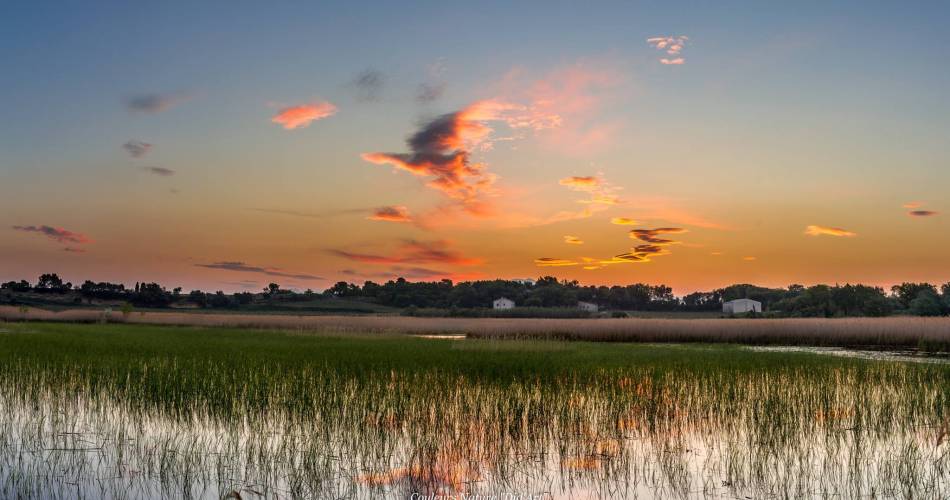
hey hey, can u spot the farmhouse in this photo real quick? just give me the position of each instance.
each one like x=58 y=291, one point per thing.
x=587 y=306
x=741 y=306
x=503 y=303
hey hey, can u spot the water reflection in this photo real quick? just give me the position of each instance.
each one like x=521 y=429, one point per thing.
x=629 y=436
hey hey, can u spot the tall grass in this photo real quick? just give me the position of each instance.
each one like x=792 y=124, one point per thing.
x=148 y=411
x=894 y=332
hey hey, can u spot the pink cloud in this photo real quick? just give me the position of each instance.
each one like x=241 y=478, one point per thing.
x=391 y=214
x=672 y=45
x=57 y=234
x=413 y=252
x=303 y=115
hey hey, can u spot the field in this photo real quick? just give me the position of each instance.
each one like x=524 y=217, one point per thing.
x=926 y=334
x=122 y=410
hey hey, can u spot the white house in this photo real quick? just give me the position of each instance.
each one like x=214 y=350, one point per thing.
x=524 y=281
x=503 y=303
x=587 y=306
x=741 y=306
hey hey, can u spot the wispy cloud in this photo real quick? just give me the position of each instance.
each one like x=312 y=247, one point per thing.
x=581 y=183
x=828 y=231
x=395 y=213
x=155 y=103
x=563 y=106
x=554 y=262
x=429 y=92
x=368 y=85
x=672 y=45
x=623 y=221
x=303 y=115
x=137 y=149
x=57 y=234
x=160 y=171
x=413 y=252
x=313 y=215
x=654 y=246
x=653 y=235
x=573 y=240
x=917 y=211
x=239 y=266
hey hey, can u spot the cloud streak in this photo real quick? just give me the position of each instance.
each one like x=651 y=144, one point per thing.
x=413 y=252
x=573 y=240
x=815 y=230
x=922 y=213
x=653 y=235
x=56 y=234
x=136 y=149
x=301 y=116
x=623 y=221
x=238 y=266
x=368 y=85
x=159 y=171
x=395 y=213
x=155 y=103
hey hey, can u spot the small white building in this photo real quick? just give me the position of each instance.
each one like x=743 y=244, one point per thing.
x=503 y=303
x=524 y=281
x=587 y=306
x=741 y=306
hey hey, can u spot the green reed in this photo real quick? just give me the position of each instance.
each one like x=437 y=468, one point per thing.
x=135 y=411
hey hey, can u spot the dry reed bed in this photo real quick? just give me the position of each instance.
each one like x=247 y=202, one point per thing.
x=926 y=333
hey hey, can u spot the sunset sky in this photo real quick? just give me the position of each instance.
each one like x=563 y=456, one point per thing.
x=225 y=145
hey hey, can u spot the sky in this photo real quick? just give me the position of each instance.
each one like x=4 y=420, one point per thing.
x=226 y=145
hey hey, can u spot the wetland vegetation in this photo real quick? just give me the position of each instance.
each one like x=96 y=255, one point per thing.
x=116 y=410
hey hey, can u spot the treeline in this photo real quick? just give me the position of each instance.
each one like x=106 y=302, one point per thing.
x=923 y=299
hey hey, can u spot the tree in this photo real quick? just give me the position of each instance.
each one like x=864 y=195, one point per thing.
x=16 y=286
x=151 y=295
x=906 y=292
x=51 y=283
x=272 y=289
x=927 y=303
x=198 y=298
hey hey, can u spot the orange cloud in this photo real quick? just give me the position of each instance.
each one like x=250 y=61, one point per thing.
x=413 y=252
x=441 y=149
x=303 y=115
x=919 y=213
x=623 y=221
x=587 y=183
x=553 y=262
x=573 y=240
x=828 y=231
x=396 y=213
x=652 y=235
x=672 y=62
